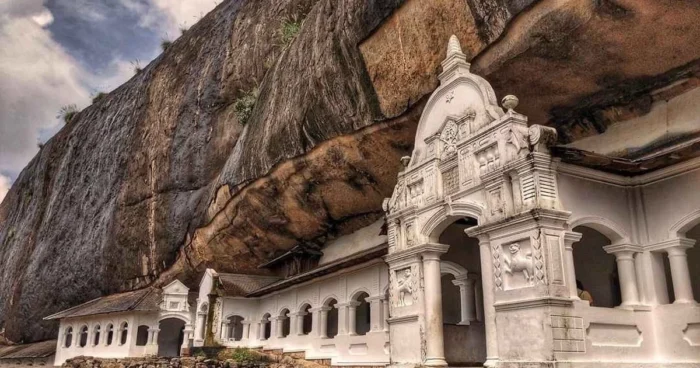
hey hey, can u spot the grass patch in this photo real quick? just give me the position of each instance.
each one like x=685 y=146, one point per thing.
x=136 y=64
x=243 y=106
x=67 y=113
x=241 y=355
x=289 y=29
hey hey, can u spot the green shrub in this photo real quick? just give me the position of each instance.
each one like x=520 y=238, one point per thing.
x=241 y=355
x=164 y=44
x=243 y=106
x=99 y=96
x=136 y=64
x=289 y=29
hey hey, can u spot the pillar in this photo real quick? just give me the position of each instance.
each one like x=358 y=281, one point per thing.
x=225 y=331
x=261 y=330
x=323 y=322
x=246 y=330
x=466 y=295
x=624 y=255
x=489 y=312
x=385 y=315
x=352 y=317
x=435 y=347
x=680 y=275
x=375 y=313
x=201 y=325
x=299 y=323
x=571 y=237
x=342 y=319
x=156 y=332
x=279 y=322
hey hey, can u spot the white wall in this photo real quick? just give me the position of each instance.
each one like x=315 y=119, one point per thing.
x=342 y=349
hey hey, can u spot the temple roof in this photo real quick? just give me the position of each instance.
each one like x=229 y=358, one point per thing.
x=35 y=350
x=231 y=284
x=349 y=261
x=139 y=300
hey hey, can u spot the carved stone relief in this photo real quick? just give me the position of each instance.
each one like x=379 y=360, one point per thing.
x=488 y=158
x=497 y=273
x=449 y=138
x=519 y=260
x=538 y=257
x=405 y=282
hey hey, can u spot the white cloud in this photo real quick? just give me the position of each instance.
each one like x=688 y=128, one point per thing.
x=37 y=77
x=180 y=13
x=4 y=186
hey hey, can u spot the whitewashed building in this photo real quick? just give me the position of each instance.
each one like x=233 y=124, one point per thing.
x=486 y=235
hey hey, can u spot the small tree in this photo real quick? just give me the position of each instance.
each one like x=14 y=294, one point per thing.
x=98 y=97
x=136 y=64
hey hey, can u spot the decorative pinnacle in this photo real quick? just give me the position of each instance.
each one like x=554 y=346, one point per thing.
x=405 y=160
x=510 y=102
x=453 y=46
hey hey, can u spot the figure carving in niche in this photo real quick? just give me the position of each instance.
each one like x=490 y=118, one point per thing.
x=519 y=261
x=409 y=234
x=404 y=286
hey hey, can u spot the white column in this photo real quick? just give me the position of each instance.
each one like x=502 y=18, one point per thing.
x=385 y=315
x=156 y=332
x=279 y=324
x=261 y=332
x=323 y=322
x=466 y=297
x=489 y=311
x=352 y=317
x=680 y=275
x=435 y=347
x=375 y=313
x=201 y=326
x=225 y=331
x=342 y=318
x=298 y=323
x=570 y=238
x=624 y=255
x=246 y=330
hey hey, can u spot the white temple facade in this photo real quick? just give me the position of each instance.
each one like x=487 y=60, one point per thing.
x=488 y=246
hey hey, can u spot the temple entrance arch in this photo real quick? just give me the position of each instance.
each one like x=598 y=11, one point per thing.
x=464 y=334
x=171 y=336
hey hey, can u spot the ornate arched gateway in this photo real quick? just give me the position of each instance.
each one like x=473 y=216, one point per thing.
x=473 y=159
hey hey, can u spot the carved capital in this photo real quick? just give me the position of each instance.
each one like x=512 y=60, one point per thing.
x=542 y=137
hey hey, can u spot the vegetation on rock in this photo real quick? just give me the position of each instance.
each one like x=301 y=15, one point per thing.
x=67 y=113
x=243 y=106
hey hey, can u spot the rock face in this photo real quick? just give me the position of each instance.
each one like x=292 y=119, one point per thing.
x=163 y=178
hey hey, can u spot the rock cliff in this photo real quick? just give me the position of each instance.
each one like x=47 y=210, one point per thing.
x=178 y=169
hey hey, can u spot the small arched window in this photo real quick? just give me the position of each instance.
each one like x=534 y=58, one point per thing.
x=110 y=334
x=362 y=314
x=268 y=326
x=68 y=338
x=83 y=336
x=96 y=335
x=306 y=317
x=142 y=335
x=123 y=333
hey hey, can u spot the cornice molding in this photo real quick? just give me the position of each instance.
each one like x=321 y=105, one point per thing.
x=628 y=181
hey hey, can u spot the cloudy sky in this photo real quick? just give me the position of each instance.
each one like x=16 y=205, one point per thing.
x=61 y=52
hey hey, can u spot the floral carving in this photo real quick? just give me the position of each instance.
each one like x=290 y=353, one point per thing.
x=498 y=277
x=449 y=136
x=540 y=276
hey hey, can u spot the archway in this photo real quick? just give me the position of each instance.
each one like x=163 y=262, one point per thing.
x=267 y=326
x=596 y=270
x=331 y=318
x=464 y=335
x=235 y=328
x=362 y=314
x=170 y=337
x=307 y=319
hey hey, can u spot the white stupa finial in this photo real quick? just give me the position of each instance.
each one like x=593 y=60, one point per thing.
x=453 y=47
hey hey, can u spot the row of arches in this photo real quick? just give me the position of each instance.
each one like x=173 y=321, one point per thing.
x=83 y=335
x=300 y=322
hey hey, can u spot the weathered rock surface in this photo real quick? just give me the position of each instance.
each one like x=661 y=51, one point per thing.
x=159 y=179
